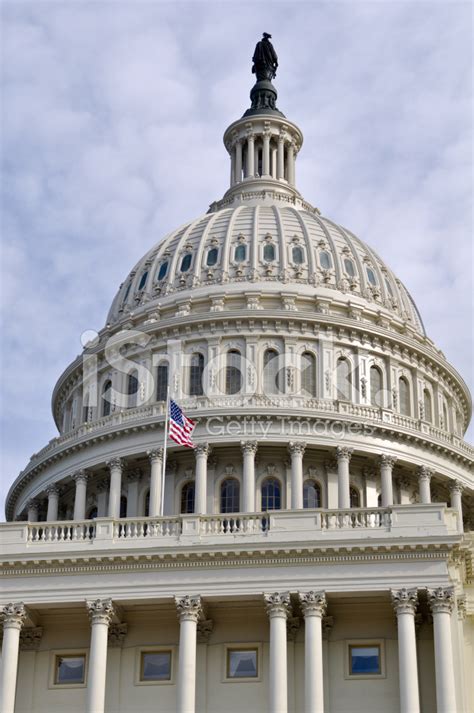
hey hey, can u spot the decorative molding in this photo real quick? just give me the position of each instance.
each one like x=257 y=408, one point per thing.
x=313 y=603
x=189 y=608
x=100 y=611
x=404 y=601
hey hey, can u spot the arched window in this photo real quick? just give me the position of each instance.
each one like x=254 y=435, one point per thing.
x=271 y=494
x=376 y=386
x=269 y=252
x=233 y=374
x=186 y=262
x=196 y=369
x=132 y=389
x=343 y=379
x=123 y=506
x=298 y=255
x=240 y=254
x=162 y=381
x=143 y=280
x=270 y=372
x=427 y=406
x=162 y=271
x=354 y=497
x=230 y=495
x=106 y=396
x=308 y=374
x=371 y=276
x=187 y=498
x=212 y=257
x=311 y=494
x=325 y=260
x=404 y=396
x=349 y=267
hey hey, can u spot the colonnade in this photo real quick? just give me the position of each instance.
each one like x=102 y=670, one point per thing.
x=296 y=450
x=279 y=607
x=278 y=160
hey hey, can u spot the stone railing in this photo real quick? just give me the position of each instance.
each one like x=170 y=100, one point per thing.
x=290 y=526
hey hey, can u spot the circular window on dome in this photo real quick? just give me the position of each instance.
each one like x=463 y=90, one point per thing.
x=349 y=267
x=162 y=271
x=212 y=257
x=325 y=260
x=186 y=262
x=371 y=276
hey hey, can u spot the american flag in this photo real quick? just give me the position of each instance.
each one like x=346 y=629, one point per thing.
x=181 y=427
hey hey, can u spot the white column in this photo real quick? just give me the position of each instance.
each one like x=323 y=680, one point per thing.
x=266 y=153
x=281 y=158
x=278 y=609
x=405 y=602
x=343 y=455
x=100 y=613
x=189 y=612
x=313 y=605
x=249 y=449
x=115 y=465
x=291 y=164
x=80 y=478
x=250 y=155
x=441 y=601
x=156 y=474
x=53 y=503
x=424 y=477
x=32 y=511
x=201 y=451
x=296 y=451
x=238 y=161
x=13 y=615
x=232 y=165
x=456 y=499
x=386 y=468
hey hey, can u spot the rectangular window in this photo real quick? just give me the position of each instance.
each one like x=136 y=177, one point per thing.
x=70 y=669
x=242 y=663
x=155 y=666
x=365 y=658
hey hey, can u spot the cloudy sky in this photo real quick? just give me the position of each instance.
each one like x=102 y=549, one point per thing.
x=111 y=135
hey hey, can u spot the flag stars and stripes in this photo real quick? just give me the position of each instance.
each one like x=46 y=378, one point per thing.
x=180 y=426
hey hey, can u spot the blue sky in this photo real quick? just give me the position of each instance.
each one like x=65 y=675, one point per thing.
x=111 y=135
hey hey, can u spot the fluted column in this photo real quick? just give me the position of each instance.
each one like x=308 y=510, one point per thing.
x=296 y=451
x=116 y=466
x=266 y=153
x=249 y=449
x=156 y=486
x=441 y=601
x=424 y=478
x=313 y=605
x=189 y=611
x=13 y=616
x=53 y=503
x=343 y=455
x=278 y=608
x=201 y=452
x=238 y=161
x=386 y=468
x=291 y=164
x=100 y=614
x=80 y=479
x=405 y=602
x=250 y=155
x=281 y=158
x=32 y=507
x=456 y=489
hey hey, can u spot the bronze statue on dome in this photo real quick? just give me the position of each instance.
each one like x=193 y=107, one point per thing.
x=265 y=60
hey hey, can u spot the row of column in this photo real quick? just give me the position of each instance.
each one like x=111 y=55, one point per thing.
x=279 y=609
x=273 y=160
x=249 y=449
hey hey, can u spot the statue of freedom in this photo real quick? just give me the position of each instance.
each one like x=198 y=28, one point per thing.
x=265 y=60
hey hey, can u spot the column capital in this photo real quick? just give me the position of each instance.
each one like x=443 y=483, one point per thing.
x=204 y=630
x=115 y=464
x=52 y=489
x=32 y=504
x=441 y=600
x=202 y=450
x=404 y=601
x=249 y=447
x=343 y=453
x=116 y=635
x=100 y=611
x=155 y=454
x=277 y=604
x=189 y=607
x=293 y=624
x=13 y=615
x=387 y=460
x=30 y=638
x=313 y=603
x=134 y=474
x=296 y=447
x=425 y=473
x=102 y=486
x=81 y=476
x=327 y=626
x=456 y=487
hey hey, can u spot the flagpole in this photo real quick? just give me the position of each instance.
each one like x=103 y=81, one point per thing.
x=165 y=444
